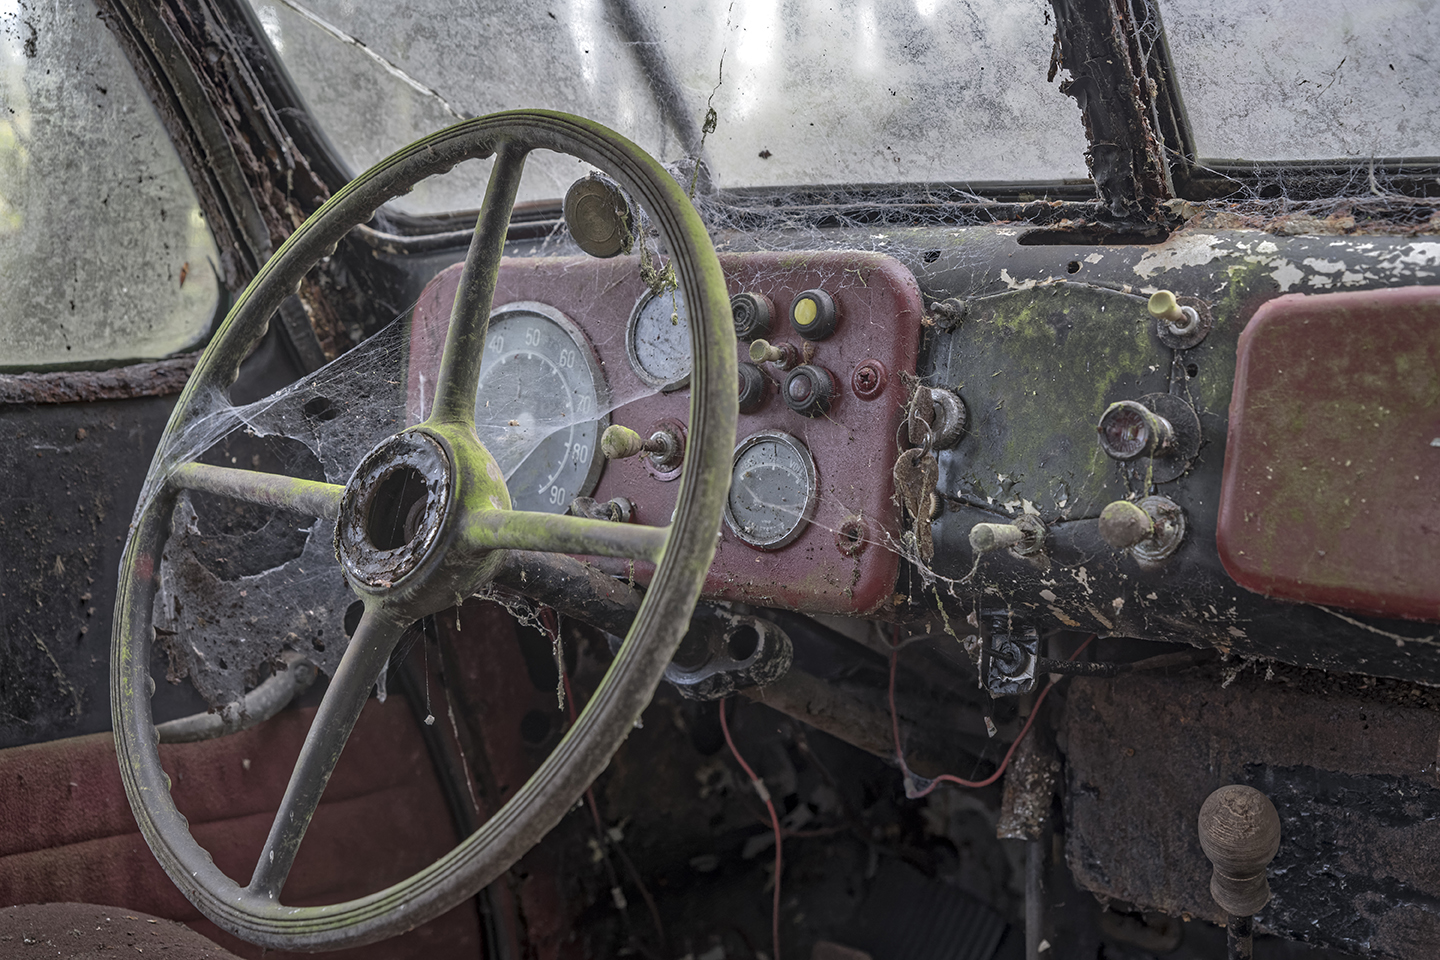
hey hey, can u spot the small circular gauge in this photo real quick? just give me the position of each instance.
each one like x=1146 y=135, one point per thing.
x=541 y=406
x=658 y=340
x=773 y=489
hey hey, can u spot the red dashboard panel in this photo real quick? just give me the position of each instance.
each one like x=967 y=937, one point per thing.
x=1331 y=491
x=844 y=560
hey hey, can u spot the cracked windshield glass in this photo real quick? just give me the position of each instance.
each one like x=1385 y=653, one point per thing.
x=766 y=94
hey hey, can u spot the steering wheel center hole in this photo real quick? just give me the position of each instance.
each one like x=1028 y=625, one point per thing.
x=393 y=509
x=397 y=508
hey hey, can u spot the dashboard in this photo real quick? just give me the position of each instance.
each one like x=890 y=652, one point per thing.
x=576 y=345
x=1098 y=471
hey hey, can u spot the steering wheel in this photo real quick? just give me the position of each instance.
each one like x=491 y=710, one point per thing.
x=455 y=535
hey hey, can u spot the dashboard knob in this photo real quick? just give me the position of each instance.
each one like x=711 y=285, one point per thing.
x=813 y=315
x=1182 y=321
x=1123 y=524
x=1129 y=430
x=1150 y=530
x=808 y=390
x=1026 y=536
x=620 y=443
x=783 y=355
x=754 y=386
x=752 y=313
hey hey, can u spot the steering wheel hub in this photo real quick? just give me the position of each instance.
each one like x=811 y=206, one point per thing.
x=393 y=510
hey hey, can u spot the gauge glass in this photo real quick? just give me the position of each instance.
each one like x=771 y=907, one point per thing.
x=772 y=490
x=539 y=409
x=658 y=340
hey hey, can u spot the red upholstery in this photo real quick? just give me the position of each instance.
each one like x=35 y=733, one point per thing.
x=78 y=931
x=67 y=834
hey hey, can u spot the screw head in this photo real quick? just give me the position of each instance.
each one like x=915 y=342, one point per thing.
x=869 y=379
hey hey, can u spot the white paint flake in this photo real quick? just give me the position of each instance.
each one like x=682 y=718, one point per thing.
x=1186 y=250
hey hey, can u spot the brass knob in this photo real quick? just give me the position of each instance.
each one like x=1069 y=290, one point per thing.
x=1240 y=834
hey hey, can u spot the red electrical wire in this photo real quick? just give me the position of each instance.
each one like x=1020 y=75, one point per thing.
x=949 y=778
x=759 y=786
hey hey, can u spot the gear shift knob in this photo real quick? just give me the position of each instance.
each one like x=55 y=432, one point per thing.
x=1240 y=833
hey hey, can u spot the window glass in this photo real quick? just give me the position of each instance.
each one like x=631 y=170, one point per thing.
x=1307 y=79
x=103 y=254
x=805 y=92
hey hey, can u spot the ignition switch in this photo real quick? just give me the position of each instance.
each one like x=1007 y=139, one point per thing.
x=936 y=418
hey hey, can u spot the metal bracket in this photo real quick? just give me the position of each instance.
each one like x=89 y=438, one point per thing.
x=1008 y=655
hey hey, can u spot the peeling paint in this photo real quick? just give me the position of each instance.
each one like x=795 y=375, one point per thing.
x=1182 y=250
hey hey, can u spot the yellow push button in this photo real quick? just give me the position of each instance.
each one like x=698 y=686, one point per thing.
x=813 y=314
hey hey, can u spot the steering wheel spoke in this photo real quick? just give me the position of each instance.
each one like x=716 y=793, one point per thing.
x=375 y=637
x=556 y=533
x=311 y=497
x=470 y=316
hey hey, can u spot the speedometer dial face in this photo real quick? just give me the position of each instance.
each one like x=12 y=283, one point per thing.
x=772 y=490
x=658 y=340
x=540 y=407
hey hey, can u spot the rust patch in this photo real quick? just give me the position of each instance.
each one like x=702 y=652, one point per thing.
x=162 y=378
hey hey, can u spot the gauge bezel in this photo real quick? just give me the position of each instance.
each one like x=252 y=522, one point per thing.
x=632 y=327
x=586 y=351
x=812 y=491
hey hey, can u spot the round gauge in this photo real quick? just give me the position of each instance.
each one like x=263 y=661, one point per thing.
x=772 y=490
x=541 y=406
x=658 y=340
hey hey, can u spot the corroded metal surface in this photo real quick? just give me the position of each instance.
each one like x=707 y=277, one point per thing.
x=162 y=378
x=1348 y=763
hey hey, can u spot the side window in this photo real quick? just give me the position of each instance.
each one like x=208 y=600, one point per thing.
x=104 y=256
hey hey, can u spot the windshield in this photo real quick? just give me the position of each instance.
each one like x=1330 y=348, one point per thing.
x=806 y=92
x=1359 y=86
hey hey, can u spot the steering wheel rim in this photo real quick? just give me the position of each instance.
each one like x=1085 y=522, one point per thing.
x=682 y=557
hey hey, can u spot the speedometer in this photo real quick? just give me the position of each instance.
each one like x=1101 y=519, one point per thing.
x=541 y=406
x=773 y=489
